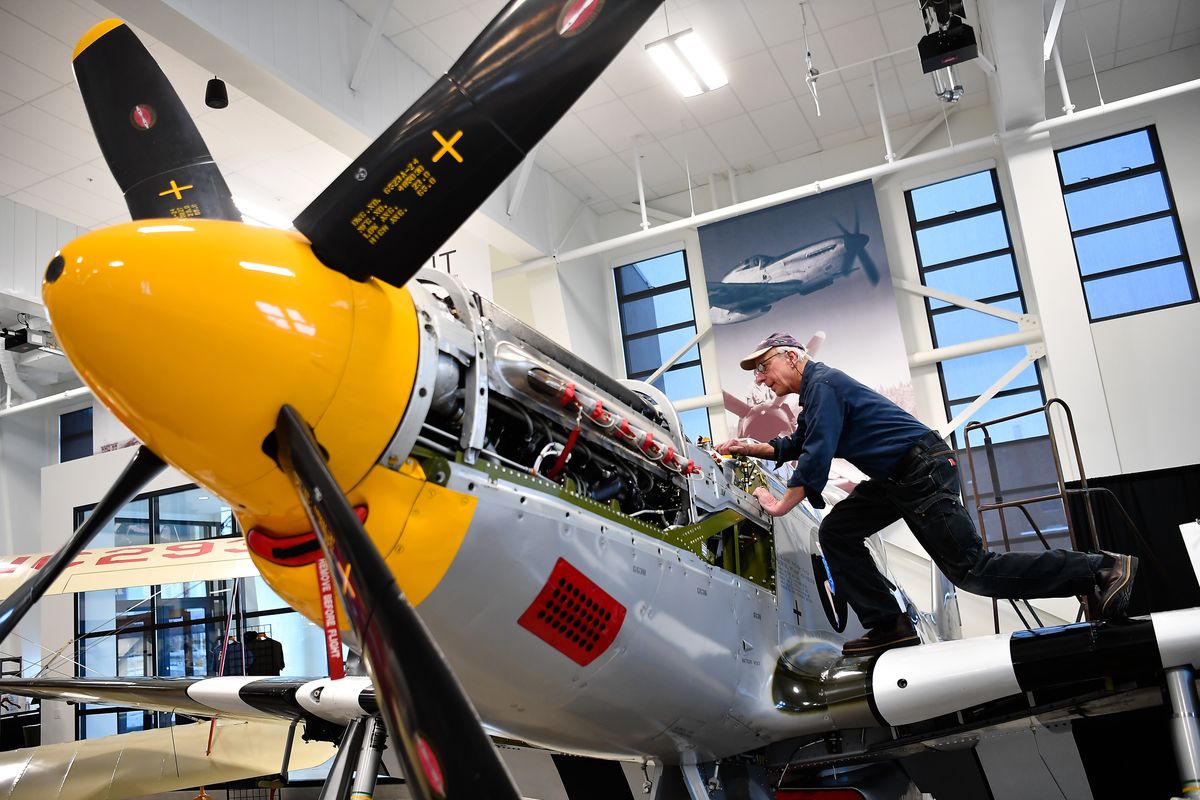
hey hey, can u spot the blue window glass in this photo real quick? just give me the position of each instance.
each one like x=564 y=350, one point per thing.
x=1127 y=292
x=1131 y=255
x=75 y=434
x=1112 y=202
x=975 y=280
x=967 y=325
x=654 y=299
x=962 y=222
x=970 y=376
x=963 y=238
x=1021 y=428
x=1105 y=157
x=657 y=311
x=952 y=196
x=653 y=273
x=648 y=353
x=1127 y=245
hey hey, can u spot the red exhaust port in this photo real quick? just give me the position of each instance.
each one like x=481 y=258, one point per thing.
x=574 y=615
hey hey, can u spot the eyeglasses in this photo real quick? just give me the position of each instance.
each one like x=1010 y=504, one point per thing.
x=761 y=366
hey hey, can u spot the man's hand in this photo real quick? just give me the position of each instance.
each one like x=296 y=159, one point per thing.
x=777 y=508
x=738 y=447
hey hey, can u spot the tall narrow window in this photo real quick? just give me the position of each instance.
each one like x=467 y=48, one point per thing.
x=654 y=298
x=963 y=247
x=1125 y=226
x=75 y=434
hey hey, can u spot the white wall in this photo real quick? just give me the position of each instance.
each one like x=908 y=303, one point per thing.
x=28 y=240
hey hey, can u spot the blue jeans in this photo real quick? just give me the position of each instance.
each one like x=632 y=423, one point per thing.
x=924 y=492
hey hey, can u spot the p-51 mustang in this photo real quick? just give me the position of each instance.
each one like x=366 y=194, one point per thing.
x=412 y=464
x=760 y=281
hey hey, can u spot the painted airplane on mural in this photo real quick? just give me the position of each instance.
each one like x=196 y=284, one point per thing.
x=760 y=281
x=412 y=465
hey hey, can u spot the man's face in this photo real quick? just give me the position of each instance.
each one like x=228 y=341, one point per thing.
x=771 y=370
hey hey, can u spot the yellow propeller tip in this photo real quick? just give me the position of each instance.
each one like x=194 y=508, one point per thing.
x=96 y=31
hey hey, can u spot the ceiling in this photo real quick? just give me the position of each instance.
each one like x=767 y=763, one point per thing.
x=50 y=161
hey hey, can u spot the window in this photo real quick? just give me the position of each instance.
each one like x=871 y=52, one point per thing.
x=963 y=247
x=1128 y=242
x=654 y=298
x=75 y=434
x=176 y=629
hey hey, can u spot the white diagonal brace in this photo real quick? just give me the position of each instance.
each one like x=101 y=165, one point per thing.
x=1033 y=353
x=518 y=190
x=364 y=58
x=956 y=300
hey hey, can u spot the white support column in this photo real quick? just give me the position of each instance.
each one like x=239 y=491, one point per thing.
x=888 y=154
x=641 y=186
x=1055 y=292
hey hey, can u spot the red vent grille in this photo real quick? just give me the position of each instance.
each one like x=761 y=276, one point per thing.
x=574 y=615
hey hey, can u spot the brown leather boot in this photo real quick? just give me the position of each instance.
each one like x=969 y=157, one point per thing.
x=898 y=632
x=1114 y=583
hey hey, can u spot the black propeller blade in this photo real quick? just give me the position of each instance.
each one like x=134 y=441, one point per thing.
x=445 y=752
x=144 y=466
x=147 y=136
x=416 y=184
x=868 y=265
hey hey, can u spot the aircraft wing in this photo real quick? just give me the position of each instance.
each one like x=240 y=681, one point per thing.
x=141 y=565
x=151 y=762
x=244 y=697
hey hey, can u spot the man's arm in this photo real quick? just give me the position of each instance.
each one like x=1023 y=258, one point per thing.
x=777 y=508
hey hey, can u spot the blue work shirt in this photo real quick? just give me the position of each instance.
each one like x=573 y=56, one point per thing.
x=842 y=418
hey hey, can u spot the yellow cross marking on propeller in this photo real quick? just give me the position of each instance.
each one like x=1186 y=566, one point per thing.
x=178 y=190
x=347 y=589
x=447 y=146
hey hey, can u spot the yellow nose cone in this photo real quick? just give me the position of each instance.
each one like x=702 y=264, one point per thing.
x=195 y=334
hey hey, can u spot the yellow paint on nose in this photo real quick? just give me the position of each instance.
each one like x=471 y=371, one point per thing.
x=195 y=333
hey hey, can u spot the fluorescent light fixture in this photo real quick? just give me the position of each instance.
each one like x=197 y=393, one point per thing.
x=688 y=63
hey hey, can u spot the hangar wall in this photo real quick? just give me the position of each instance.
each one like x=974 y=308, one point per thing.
x=1129 y=381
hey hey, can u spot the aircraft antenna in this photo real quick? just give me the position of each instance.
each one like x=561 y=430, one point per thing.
x=812 y=73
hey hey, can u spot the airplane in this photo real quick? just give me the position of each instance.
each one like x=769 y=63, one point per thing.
x=759 y=281
x=510 y=537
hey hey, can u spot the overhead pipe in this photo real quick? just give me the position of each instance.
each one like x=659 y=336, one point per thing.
x=839 y=181
x=9 y=368
x=62 y=397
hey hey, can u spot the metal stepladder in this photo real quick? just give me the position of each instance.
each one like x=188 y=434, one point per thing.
x=1180 y=681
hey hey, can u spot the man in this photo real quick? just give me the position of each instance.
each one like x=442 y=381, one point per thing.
x=913 y=477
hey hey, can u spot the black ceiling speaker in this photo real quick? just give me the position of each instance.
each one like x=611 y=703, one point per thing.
x=216 y=96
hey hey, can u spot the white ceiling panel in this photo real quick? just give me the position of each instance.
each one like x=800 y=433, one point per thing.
x=423 y=52
x=738 y=139
x=778 y=21
x=82 y=202
x=660 y=110
x=8 y=102
x=1145 y=21
x=1142 y=52
x=756 y=81
x=420 y=12
x=612 y=176
x=578 y=185
x=19 y=173
x=726 y=28
x=66 y=104
x=612 y=122
x=453 y=32
x=832 y=13
x=697 y=149
x=902 y=26
x=596 y=94
x=30 y=150
x=550 y=159
x=575 y=141
x=854 y=42
x=659 y=166
x=714 y=106
x=94 y=177
x=783 y=125
x=63 y=21
x=33 y=47
x=50 y=130
x=22 y=80
x=837 y=112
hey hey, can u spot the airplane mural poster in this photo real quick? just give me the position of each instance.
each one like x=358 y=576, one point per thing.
x=815 y=268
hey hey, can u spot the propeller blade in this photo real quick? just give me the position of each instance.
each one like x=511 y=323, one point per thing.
x=147 y=136
x=868 y=265
x=444 y=750
x=416 y=184
x=144 y=466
